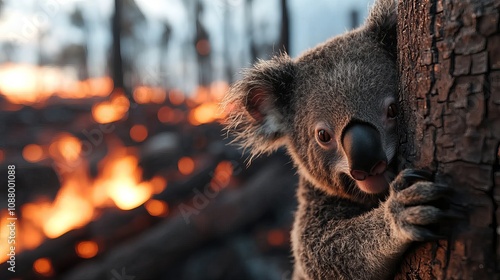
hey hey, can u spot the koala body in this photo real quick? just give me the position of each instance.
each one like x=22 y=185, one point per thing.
x=334 y=108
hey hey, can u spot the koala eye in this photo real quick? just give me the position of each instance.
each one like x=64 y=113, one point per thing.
x=392 y=111
x=324 y=136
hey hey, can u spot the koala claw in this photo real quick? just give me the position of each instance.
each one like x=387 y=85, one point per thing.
x=410 y=205
x=418 y=174
x=422 y=192
x=412 y=222
x=423 y=234
x=408 y=177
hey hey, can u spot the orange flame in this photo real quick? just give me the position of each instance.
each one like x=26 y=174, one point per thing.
x=78 y=201
x=176 y=97
x=138 y=133
x=87 y=249
x=156 y=207
x=222 y=175
x=159 y=184
x=113 y=110
x=169 y=115
x=205 y=113
x=144 y=94
x=30 y=84
x=43 y=266
x=33 y=153
x=71 y=208
x=65 y=147
x=120 y=179
x=205 y=103
x=186 y=165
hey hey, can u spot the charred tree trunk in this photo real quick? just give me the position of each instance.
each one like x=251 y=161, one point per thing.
x=229 y=69
x=250 y=30
x=449 y=52
x=285 y=27
x=117 y=50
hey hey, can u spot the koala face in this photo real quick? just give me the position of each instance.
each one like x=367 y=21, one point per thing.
x=343 y=128
x=334 y=108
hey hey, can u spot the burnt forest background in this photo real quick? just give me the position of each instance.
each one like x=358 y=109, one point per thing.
x=109 y=115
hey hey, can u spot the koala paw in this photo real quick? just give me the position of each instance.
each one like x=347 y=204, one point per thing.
x=411 y=208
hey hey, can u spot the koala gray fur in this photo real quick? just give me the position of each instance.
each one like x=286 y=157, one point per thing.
x=351 y=222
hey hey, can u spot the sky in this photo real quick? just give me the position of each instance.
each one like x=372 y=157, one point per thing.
x=22 y=22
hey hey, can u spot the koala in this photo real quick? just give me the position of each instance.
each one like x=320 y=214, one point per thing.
x=335 y=109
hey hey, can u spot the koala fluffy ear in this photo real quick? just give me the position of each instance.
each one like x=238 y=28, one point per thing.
x=258 y=105
x=382 y=21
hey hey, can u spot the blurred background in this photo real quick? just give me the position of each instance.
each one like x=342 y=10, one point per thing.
x=109 y=112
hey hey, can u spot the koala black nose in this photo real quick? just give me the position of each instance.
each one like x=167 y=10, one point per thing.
x=363 y=147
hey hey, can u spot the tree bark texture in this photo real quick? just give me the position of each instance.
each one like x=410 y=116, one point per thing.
x=449 y=57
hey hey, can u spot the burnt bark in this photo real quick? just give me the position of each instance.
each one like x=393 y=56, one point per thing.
x=449 y=56
x=117 y=62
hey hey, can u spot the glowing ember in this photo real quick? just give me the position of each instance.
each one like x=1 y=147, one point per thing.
x=127 y=194
x=186 y=165
x=205 y=113
x=222 y=176
x=138 y=133
x=276 y=237
x=165 y=114
x=65 y=147
x=31 y=236
x=28 y=236
x=43 y=266
x=32 y=153
x=113 y=110
x=169 y=115
x=223 y=172
x=70 y=209
x=159 y=184
x=156 y=207
x=79 y=198
x=143 y=95
x=4 y=235
x=176 y=97
x=86 y=249
x=120 y=179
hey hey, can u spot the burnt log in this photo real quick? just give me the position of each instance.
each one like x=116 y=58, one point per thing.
x=112 y=228
x=162 y=247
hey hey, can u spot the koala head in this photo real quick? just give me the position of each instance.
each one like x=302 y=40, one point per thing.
x=334 y=108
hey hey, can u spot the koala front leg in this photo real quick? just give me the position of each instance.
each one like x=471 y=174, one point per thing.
x=407 y=209
x=336 y=239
